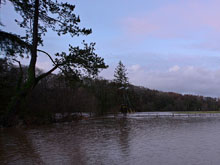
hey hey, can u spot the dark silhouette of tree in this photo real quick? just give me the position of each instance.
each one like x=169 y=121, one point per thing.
x=121 y=74
x=121 y=80
x=56 y=94
x=37 y=17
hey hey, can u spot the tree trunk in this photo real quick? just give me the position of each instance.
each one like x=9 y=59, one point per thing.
x=11 y=118
x=17 y=101
x=32 y=65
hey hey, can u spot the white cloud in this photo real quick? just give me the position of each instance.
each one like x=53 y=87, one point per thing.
x=185 y=80
x=174 y=68
x=188 y=79
x=134 y=68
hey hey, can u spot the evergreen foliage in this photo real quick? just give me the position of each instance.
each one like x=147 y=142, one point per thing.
x=37 y=16
x=121 y=74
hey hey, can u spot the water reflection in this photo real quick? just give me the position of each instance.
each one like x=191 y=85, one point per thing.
x=17 y=148
x=120 y=140
x=124 y=130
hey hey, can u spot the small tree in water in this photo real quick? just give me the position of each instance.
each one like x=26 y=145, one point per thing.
x=122 y=79
x=121 y=75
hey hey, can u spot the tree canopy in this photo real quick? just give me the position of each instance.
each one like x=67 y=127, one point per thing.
x=37 y=16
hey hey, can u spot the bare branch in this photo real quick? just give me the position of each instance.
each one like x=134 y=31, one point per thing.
x=20 y=66
x=47 y=55
x=42 y=51
x=46 y=74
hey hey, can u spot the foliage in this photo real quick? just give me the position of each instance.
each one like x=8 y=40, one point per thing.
x=37 y=16
x=60 y=18
x=121 y=74
x=56 y=94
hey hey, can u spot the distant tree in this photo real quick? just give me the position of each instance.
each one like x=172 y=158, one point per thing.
x=37 y=17
x=121 y=79
x=121 y=74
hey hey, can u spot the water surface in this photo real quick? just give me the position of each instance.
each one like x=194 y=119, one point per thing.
x=135 y=139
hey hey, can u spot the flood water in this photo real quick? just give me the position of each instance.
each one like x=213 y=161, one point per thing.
x=134 y=139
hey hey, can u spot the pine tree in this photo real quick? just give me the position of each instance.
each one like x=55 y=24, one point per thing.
x=37 y=16
x=121 y=75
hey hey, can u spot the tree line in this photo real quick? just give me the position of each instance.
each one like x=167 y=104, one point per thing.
x=29 y=94
x=58 y=93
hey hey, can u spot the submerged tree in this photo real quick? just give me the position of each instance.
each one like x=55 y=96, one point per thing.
x=37 y=17
x=122 y=80
x=121 y=74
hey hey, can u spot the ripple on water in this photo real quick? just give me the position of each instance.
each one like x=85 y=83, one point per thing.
x=134 y=139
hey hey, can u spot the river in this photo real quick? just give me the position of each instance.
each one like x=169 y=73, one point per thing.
x=136 y=139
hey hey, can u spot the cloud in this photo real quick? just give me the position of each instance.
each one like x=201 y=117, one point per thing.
x=134 y=68
x=185 y=80
x=174 y=68
x=182 y=19
x=45 y=66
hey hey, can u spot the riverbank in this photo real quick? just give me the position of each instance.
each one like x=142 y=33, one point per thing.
x=196 y=112
x=73 y=117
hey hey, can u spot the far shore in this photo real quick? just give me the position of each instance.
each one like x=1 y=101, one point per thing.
x=196 y=112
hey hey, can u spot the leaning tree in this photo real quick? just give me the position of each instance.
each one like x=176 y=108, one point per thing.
x=37 y=16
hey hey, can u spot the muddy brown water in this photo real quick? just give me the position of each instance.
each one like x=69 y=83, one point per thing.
x=134 y=139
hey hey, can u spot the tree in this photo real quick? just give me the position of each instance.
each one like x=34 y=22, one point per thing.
x=37 y=17
x=122 y=80
x=121 y=74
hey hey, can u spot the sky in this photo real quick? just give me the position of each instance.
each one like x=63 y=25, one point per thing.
x=170 y=45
